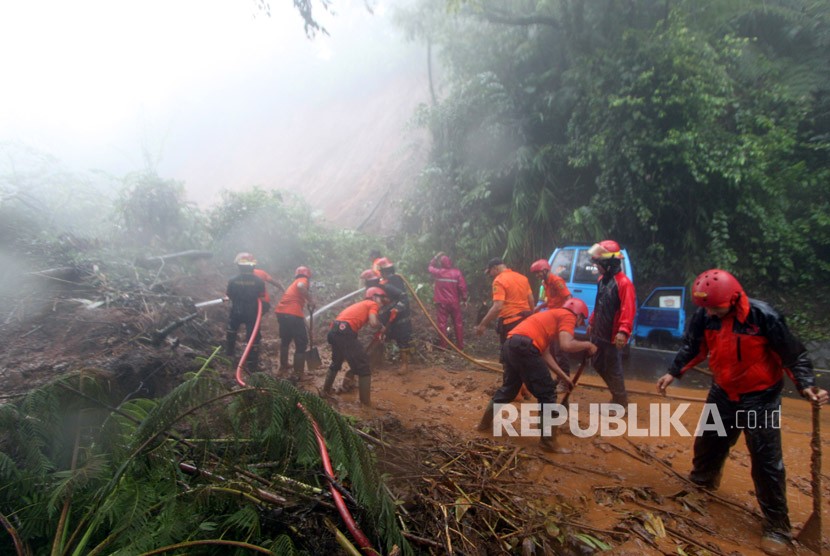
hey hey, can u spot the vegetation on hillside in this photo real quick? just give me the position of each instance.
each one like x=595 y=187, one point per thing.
x=696 y=134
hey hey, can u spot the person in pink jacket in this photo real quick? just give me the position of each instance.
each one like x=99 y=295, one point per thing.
x=450 y=291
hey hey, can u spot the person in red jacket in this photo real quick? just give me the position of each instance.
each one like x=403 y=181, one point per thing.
x=749 y=348
x=612 y=321
x=345 y=345
x=291 y=318
x=450 y=291
x=527 y=360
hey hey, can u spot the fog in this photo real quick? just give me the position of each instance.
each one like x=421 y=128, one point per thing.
x=219 y=96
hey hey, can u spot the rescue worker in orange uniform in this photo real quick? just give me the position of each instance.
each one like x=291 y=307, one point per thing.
x=291 y=318
x=344 y=342
x=527 y=360
x=512 y=299
x=749 y=347
x=245 y=292
x=556 y=294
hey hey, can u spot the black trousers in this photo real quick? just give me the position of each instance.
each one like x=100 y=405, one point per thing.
x=757 y=415
x=523 y=364
x=237 y=320
x=608 y=364
x=346 y=347
x=292 y=329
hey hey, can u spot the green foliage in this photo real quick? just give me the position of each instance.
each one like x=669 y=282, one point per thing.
x=152 y=212
x=694 y=133
x=281 y=230
x=114 y=472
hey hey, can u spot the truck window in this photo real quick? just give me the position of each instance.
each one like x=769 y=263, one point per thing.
x=666 y=299
x=586 y=272
x=562 y=264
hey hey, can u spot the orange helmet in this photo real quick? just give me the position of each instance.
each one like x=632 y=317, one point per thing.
x=369 y=274
x=540 y=266
x=383 y=262
x=372 y=292
x=577 y=307
x=715 y=288
x=244 y=258
x=303 y=271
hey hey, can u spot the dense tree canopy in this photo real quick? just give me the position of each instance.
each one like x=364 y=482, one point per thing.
x=697 y=134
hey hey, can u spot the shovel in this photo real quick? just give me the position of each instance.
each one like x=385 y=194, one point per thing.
x=575 y=379
x=312 y=357
x=810 y=535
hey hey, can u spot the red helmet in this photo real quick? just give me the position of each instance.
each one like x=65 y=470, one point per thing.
x=383 y=262
x=716 y=288
x=577 y=307
x=607 y=249
x=540 y=266
x=245 y=258
x=369 y=274
x=303 y=271
x=372 y=292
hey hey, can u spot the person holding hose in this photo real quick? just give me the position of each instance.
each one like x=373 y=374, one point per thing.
x=345 y=345
x=450 y=291
x=527 y=360
x=245 y=292
x=749 y=348
x=291 y=318
x=397 y=314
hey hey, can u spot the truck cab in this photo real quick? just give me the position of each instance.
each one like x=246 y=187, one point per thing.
x=573 y=264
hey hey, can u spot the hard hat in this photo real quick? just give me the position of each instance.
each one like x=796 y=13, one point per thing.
x=245 y=258
x=372 y=292
x=577 y=307
x=540 y=266
x=716 y=288
x=369 y=274
x=607 y=249
x=383 y=262
x=303 y=271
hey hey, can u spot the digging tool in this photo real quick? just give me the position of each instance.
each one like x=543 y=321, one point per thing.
x=576 y=379
x=810 y=535
x=312 y=358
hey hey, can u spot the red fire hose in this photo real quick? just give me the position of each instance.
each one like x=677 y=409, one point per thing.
x=251 y=340
x=358 y=535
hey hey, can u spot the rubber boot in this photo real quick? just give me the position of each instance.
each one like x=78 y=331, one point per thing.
x=486 y=423
x=348 y=383
x=406 y=355
x=329 y=382
x=551 y=445
x=230 y=343
x=299 y=367
x=252 y=363
x=364 y=388
x=283 y=358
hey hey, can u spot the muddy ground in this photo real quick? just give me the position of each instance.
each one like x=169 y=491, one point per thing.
x=613 y=488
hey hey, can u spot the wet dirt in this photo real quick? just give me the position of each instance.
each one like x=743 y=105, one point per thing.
x=607 y=478
x=613 y=483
